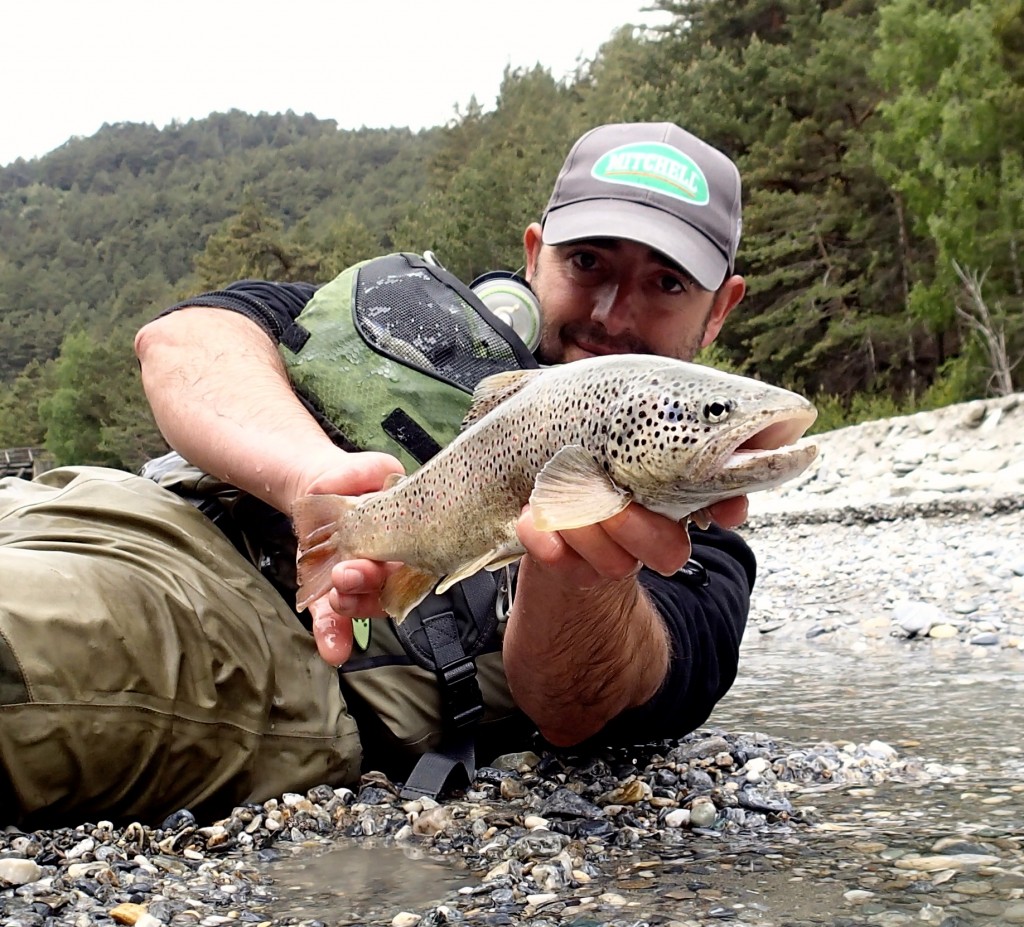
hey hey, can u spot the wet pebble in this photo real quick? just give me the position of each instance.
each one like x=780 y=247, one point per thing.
x=549 y=851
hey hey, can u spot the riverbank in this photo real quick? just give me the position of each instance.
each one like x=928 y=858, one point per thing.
x=963 y=458
x=903 y=528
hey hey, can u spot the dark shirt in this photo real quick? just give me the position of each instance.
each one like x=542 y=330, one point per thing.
x=705 y=608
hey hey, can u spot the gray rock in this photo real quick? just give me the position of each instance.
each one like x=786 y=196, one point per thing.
x=917 y=618
x=565 y=803
x=19 y=871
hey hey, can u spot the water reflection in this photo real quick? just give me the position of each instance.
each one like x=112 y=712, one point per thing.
x=360 y=883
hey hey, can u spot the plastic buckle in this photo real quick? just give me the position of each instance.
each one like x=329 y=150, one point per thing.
x=503 y=599
x=695 y=574
x=460 y=694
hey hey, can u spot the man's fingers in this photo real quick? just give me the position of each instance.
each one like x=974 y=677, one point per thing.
x=357 y=587
x=332 y=632
x=358 y=606
x=658 y=542
x=608 y=558
x=550 y=549
x=730 y=513
x=613 y=549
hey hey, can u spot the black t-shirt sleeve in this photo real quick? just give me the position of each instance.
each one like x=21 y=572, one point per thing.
x=272 y=306
x=705 y=624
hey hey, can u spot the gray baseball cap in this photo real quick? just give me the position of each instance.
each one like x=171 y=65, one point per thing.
x=654 y=183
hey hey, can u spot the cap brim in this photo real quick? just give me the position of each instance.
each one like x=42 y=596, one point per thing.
x=648 y=225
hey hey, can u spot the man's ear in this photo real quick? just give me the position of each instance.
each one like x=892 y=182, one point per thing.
x=532 y=243
x=726 y=298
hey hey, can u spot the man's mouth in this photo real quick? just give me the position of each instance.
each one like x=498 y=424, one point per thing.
x=595 y=342
x=599 y=350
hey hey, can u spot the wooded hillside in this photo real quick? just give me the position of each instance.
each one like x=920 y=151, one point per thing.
x=881 y=145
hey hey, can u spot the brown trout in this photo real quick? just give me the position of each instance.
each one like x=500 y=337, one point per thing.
x=579 y=442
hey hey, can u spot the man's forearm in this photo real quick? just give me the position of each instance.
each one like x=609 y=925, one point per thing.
x=221 y=398
x=577 y=658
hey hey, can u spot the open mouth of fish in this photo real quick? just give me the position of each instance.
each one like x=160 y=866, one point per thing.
x=771 y=451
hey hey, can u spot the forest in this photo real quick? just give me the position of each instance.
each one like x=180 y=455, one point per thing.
x=881 y=144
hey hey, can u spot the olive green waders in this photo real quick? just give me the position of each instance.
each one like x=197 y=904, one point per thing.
x=145 y=665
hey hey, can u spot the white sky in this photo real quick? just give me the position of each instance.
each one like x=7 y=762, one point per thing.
x=68 y=66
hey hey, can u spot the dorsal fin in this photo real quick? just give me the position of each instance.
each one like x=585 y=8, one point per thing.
x=493 y=390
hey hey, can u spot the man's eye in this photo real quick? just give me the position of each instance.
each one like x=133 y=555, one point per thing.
x=585 y=260
x=672 y=284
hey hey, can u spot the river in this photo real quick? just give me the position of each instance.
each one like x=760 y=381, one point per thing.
x=943 y=702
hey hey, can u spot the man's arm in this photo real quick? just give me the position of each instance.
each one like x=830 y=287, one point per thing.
x=586 y=641
x=222 y=399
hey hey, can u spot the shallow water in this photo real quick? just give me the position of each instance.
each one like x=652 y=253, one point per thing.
x=356 y=883
x=942 y=702
x=952 y=705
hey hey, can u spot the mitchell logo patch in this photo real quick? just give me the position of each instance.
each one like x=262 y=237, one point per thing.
x=654 y=166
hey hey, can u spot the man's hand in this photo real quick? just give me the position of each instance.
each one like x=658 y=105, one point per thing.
x=621 y=545
x=583 y=642
x=357 y=583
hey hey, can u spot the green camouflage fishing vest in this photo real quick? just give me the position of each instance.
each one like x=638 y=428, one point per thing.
x=389 y=353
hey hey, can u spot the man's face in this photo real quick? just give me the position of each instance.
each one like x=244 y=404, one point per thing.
x=612 y=296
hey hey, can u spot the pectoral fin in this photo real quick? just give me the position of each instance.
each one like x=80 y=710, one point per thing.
x=572 y=491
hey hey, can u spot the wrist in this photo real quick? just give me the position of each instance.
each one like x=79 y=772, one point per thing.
x=309 y=468
x=333 y=470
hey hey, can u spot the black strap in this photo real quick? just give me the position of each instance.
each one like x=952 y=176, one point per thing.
x=462 y=703
x=401 y=427
x=433 y=770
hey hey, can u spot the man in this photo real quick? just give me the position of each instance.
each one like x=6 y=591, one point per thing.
x=605 y=636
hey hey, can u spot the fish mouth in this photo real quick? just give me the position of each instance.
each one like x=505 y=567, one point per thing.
x=778 y=429
x=771 y=451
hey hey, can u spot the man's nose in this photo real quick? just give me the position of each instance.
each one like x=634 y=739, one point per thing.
x=615 y=307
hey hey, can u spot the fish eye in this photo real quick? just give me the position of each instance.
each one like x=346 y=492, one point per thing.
x=716 y=410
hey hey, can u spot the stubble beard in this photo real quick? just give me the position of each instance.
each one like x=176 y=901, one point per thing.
x=554 y=345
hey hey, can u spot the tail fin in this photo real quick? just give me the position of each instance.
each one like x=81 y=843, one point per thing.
x=315 y=519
